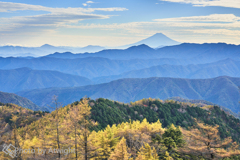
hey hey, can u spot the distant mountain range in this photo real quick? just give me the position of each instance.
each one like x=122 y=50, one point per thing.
x=21 y=101
x=26 y=79
x=193 y=61
x=141 y=51
x=196 y=53
x=101 y=70
x=89 y=67
x=221 y=90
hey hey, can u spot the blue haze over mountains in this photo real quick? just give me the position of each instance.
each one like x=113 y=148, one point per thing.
x=195 y=71
x=19 y=51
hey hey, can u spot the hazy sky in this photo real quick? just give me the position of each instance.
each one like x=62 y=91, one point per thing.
x=117 y=22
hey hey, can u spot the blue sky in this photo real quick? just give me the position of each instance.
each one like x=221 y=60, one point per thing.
x=116 y=23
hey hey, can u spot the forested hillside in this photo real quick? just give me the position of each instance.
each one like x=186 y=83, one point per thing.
x=169 y=112
x=221 y=90
x=12 y=113
x=105 y=129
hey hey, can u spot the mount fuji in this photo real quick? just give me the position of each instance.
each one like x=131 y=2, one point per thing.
x=156 y=41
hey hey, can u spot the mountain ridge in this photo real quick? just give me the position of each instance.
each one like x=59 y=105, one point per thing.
x=207 y=52
x=18 y=100
x=226 y=67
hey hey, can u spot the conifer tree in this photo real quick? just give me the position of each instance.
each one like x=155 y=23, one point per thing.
x=173 y=139
x=72 y=125
x=167 y=156
x=146 y=153
x=89 y=150
x=55 y=127
x=104 y=150
x=12 y=138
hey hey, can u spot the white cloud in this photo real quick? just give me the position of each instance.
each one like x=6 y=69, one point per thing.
x=214 y=21
x=9 y=6
x=54 y=19
x=204 y=3
x=43 y=21
x=89 y=2
x=218 y=31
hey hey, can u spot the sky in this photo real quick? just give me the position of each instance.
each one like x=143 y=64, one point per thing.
x=80 y=23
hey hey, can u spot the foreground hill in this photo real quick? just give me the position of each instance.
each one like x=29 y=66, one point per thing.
x=147 y=125
x=21 y=101
x=221 y=90
x=25 y=78
x=26 y=116
x=168 y=112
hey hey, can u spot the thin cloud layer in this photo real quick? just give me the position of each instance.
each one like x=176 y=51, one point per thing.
x=204 y=3
x=214 y=21
x=210 y=18
x=218 y=25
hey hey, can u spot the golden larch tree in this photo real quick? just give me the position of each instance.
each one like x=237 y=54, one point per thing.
x=121 y=151
x=205 y=141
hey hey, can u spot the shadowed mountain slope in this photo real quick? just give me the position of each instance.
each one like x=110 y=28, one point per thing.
x=87 y=67
x=227 y=67
x=26 y=78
